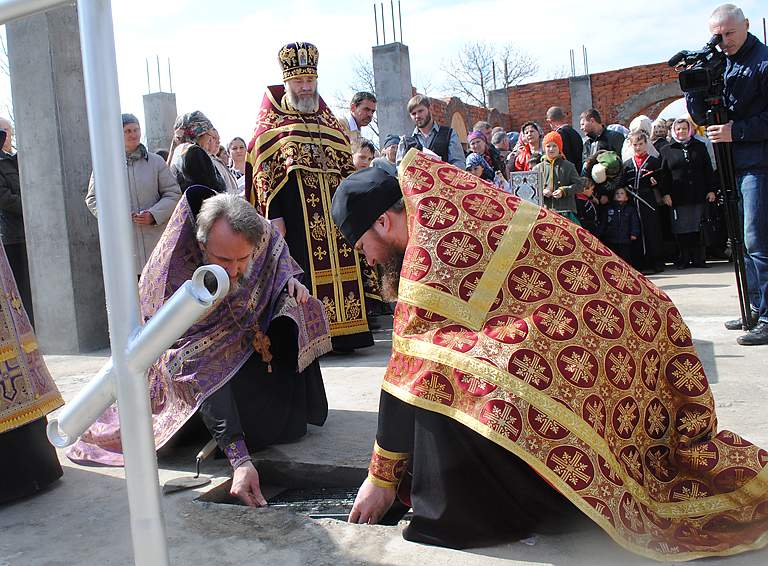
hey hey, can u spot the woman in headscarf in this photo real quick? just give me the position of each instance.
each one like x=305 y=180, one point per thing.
x=528 y=146
x=641 y=123
x=480 y=144
x=689 y=181
x=190 y=159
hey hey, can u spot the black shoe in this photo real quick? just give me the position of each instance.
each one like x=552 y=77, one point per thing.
x=735 y=324
x=681 y=266
x=703 y=265
x=755 y=337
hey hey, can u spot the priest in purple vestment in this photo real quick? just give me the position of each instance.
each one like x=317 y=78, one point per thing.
x=249 y=368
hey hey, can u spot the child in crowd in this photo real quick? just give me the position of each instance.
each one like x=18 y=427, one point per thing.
x=478 y=166
x=559 y=177
x=586 y=207
x=619 y=224
x=363 y=152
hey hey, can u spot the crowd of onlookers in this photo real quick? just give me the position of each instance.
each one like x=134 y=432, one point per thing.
x=648 y=190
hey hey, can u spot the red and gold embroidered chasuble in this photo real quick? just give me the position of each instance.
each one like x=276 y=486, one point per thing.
x=527 y=329
x=314 y=148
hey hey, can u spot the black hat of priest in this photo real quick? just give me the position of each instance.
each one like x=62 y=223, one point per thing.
x=361 y=198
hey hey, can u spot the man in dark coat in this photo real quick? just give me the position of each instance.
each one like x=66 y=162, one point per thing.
x=573 y=146
x=598 y=136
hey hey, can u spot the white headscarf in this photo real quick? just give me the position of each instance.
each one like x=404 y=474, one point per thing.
x=640 y=124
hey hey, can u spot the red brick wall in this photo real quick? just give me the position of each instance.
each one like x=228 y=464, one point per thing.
x=531 y=101
x=613 y=88
x=609 y=90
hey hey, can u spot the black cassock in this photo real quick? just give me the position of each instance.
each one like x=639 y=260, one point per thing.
x=29 y=462
x=467 y=491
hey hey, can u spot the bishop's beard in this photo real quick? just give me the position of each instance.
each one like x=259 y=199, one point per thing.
x=390 y=276
x=306 y=104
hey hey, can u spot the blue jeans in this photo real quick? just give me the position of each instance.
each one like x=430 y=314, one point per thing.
x=753 y=189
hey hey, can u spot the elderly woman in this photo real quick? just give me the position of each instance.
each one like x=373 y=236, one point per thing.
x=152 y=188
x=528 y=146
x=478 y=143
x=689 y=182
x=190 y=159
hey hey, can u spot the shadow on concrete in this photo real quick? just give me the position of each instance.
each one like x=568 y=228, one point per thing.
x=692 y=286
x=706 y=351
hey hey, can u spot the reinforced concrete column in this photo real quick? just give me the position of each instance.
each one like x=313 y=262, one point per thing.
x=392 y=80
x=581 y=97
x=159 y=116
x=54 y=165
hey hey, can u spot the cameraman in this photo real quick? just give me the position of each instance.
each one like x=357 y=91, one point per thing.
x=746 y=98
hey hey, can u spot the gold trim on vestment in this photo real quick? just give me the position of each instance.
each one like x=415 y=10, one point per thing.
x=387 y=454
x=473 y=312
x=37 y=410
x=557 y=482
x=745 y=495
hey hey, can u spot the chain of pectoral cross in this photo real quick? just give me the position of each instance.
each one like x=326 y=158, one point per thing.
x=320 y=152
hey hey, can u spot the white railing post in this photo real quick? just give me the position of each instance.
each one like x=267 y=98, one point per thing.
x=117 y=256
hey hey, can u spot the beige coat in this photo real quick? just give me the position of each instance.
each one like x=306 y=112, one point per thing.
x=152 y=187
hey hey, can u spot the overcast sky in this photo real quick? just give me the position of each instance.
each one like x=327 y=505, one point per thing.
x=224 y=53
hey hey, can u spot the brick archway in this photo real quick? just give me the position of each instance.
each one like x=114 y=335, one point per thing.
x=656 y=108
x=653 y=97
x=459 y=126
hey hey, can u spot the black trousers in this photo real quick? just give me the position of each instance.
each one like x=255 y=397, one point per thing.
x=468 y=491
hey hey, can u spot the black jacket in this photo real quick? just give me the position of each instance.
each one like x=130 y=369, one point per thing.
x=608 y=139
x=687 y=171
x=573 y=146
x=11 y=218
x=618 y=222
x=639 y=181
x=746 y=97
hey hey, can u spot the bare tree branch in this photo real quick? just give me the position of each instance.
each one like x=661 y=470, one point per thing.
x=515 y=65
x=560 y=72
x=362 y=80
x=471 y=72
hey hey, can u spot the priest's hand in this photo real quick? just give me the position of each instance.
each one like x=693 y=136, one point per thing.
x=245 y=485
x=372 y=503
x=297 y=290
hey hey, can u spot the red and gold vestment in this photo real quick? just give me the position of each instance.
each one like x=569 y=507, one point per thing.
x=528 y=330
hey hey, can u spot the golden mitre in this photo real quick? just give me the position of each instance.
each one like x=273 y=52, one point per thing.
x=298 y=59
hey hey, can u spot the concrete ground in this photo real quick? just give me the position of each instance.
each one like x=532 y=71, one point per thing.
x=83 y=519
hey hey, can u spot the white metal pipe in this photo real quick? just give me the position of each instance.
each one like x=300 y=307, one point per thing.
x=87 y=406
x=117 y=254
x=189 y=303
x=15 y=9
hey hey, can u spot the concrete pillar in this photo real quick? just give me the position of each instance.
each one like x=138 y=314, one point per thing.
x=55 y=164
x=159 y=116
x=499 y=99
x=392 y=79
x=581 y=97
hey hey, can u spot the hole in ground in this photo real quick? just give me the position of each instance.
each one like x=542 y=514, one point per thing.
x=317 y=491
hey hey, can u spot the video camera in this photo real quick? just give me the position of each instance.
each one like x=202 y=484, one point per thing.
x=701 y=72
